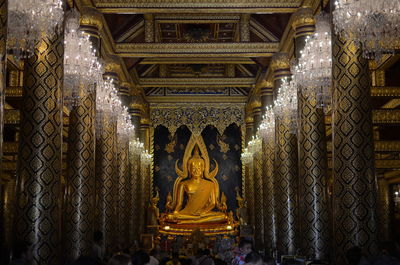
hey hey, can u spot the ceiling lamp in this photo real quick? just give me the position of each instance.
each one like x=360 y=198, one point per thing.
x=136 y=147
x=146 y=158
x=374 y=24
x=28 y=20
x=255 y=145
x=125 y=128
x=246 y=157
x=81 y=66
x=314 y=69
x=267 y=126
x=285 y=105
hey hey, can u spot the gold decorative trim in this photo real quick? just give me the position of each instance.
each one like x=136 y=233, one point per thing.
x=196 y=116
x=385 y=91
x=12 y=147
x=304 y=16
x=196 y=6
x=14 y=92
x=197 y=99
x=141 y=50
x=280 y=61
x=178 y=82
x=207 y=60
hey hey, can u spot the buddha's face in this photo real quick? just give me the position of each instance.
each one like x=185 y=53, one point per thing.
x=196 y=168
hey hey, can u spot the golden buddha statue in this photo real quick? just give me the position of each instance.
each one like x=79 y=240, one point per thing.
x=195 y=202
x=201 y=196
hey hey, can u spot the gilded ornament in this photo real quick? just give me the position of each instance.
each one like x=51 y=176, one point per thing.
x=304 y=16
x=280 y=61
x=91 y=17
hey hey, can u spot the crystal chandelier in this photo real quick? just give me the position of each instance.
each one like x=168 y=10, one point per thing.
x=267 y=126
x=255 y=145
x=146 y=158
x=81 y=66
x=136 y=147
x=374 y=24
x=125 y=128
x=314 y=69
x=285 y=105
x=28 y=20
x=246 y=157
x=106 y=103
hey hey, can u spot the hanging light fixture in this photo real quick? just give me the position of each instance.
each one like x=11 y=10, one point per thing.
x=246 y=157
x=146 y=158
x=267 y=126
x=285 y=105
x=313 y=71
x=28 y=20
x=255 y=145
x=374 y=24
x=81 y=66
x=136 y=147
x=125 y=128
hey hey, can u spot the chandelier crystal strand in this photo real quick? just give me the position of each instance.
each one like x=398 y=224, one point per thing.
x=255 y=145
x=28 y=20
x=81 y=67
x=267 y=126
x=314 y=69
x=374 y=24
x=246 y=157
x=146 y=158
x=285 y=105
x=136 y=147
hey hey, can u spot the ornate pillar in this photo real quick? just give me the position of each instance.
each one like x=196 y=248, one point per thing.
x=268 y=158
x=258 y=183
x=123 y=93
x=313 y=161
x=135 y=109
x=286 y=175
x=79 y=218
x=7 y=216
x=245 y=28
x=144 y=172
x=80 y=202
x=40 y=154
x=354 y=187
x=384 y=210
x=148 y=28
x=249 y=171
x=123 y=200
x=106 y=180
x=3 y=63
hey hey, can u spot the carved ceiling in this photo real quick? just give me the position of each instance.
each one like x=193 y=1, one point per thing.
x=195 y=47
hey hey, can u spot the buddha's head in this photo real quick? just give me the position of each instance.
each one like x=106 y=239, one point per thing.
x=196 y=164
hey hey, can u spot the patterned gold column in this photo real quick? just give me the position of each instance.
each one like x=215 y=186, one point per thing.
x=3 y=56
x=313 y=161
x=149 y=28
x=79 y=216
x=245 y=28
x=384 y=210
x=355 y=187
x=144 y=173
x=40 y=154
x=135 y=109
x=286 y=168
x=7 y=217
x=258 y=183
x=106 y=181
x=268 y=158
x=3 y=64
x=249 y=173
x=123 y=200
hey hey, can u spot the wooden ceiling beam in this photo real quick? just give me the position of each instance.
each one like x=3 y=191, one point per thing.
x=200 y=50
